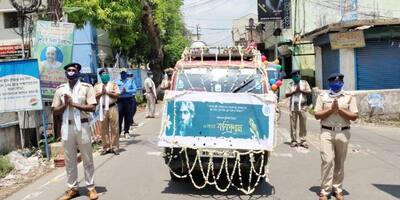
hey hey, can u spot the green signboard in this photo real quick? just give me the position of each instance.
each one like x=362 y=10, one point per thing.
x=53 y=48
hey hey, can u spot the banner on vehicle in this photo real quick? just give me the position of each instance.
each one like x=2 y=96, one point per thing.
x=53 y=48
x=218 y=120
x=19 y=86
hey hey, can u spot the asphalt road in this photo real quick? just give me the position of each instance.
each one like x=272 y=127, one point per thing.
x=372 y=169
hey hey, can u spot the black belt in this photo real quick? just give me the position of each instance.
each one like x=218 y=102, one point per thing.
x=82 y=121
x=336 y=128
x=111 y=105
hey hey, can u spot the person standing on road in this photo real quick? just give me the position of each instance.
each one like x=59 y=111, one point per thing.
x=166 y=82
x=131 y=77
x=107 y=93
x=150 y=88
x=298 y=91
x=125 y=102
x=335 y=108
x=73 y=100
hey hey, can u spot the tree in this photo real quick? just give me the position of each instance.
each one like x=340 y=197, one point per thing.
x=119 y=18
x=148 y=31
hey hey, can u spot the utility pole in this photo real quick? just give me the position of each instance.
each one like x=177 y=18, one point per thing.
x=198 y=32
x=250 y=28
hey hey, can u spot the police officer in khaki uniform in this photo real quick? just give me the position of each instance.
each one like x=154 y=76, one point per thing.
x=335 y=108
x=73 y=100
x=107 y=94
x=298 y=91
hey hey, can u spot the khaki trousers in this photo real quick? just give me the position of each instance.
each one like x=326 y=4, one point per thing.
x=78 y=140
x=301 y=115
x=109 y=129
x=333 y=154
x=151 y=105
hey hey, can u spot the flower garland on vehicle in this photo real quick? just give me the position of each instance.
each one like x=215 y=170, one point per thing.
x=224 y=165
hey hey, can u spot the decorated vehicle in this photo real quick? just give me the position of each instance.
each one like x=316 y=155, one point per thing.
x=218 y=121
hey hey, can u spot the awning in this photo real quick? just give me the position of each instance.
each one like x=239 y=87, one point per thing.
x=344 y=26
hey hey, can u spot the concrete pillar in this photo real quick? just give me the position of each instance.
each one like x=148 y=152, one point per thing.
x=318 y=67
x=347 y=68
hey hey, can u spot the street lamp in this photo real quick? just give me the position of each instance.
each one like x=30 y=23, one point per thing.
x=102 y=56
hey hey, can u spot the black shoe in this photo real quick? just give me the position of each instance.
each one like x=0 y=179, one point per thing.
x=304 y=144
x=115 y=152
x=293 y=144
x=104 y=152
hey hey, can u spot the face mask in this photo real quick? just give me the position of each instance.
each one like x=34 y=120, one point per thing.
x=72 y=75
x=335 y=86
x=296 y=79
x=124 y=76
x=105 y=78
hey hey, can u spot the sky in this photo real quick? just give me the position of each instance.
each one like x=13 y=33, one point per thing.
x=215 y=18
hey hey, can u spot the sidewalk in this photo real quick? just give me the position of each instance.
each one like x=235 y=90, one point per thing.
x=53 y=184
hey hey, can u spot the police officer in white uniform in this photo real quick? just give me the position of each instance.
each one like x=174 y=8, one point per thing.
x=73 y=100
x=335 y=108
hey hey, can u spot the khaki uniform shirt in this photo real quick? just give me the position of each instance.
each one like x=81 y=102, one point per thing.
x=346 y=101
x=295 y=98
x=113 y=87
x=86 y=97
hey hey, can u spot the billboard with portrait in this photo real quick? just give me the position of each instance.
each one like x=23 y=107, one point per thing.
x=53 y=48
x=218 y=120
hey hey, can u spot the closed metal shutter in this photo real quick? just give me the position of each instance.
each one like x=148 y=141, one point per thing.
x=330 y=63
x=378 y=65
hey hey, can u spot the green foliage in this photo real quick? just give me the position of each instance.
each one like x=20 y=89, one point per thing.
x=169 y=20
x=139 y=98
x=122 y=20
x=50 y=139
x=5 y=166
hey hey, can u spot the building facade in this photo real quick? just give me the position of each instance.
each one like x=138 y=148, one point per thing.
x=372 y=66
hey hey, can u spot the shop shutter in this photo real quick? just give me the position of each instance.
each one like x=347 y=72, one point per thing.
x=330 y=63
x=378 y=65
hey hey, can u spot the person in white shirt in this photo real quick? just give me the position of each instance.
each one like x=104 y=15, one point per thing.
x=150 y=94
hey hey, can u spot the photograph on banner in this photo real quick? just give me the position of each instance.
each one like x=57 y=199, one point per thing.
x=219 y=120
x=271 y=9
x=53 y=48
x=20 y=86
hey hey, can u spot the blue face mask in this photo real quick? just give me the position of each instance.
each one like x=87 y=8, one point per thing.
x=336 y=86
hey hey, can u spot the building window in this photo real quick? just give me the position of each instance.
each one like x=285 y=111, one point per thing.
x=10 y=20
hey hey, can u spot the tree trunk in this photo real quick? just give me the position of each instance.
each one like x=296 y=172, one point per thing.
x=157 y=54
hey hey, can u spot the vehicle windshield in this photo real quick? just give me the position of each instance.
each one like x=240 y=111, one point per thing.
x=229 y=80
